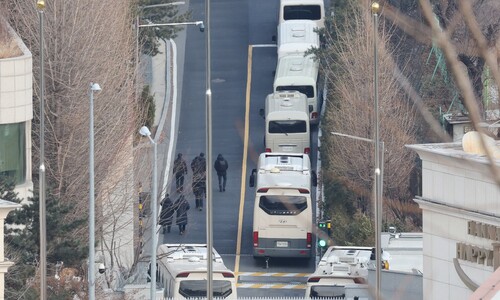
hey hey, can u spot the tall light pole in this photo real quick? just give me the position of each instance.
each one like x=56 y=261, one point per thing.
x=94 y=87
x=40 y=4
x=378 y=217
x=378 y=180
x=208 y=95
x=144 y=131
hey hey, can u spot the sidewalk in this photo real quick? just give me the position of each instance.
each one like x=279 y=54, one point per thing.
x=160 y=75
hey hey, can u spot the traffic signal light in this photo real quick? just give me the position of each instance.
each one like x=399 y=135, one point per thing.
x=322 y=234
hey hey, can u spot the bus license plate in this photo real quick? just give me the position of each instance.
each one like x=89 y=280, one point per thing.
x=287 y=148
x=281 y=244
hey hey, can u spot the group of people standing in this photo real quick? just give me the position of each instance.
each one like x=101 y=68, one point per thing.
x=181 y=205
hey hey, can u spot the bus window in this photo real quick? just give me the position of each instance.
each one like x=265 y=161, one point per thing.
x=307 y=90
x=302 y=12
x=292 y=126
x=283 y=205
x=198 y=288
x=327 y=291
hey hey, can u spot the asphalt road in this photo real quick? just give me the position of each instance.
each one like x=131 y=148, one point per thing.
x=243 y=61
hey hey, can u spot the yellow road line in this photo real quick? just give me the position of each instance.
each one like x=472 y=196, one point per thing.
x=244 y=162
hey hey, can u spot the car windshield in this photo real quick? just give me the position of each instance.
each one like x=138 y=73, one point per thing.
x=327 y=291
x=198 y=288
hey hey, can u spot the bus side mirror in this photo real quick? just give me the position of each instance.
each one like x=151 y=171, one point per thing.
x=310 y=108
x=252 y=178
x=261 y=113
x=314 y=178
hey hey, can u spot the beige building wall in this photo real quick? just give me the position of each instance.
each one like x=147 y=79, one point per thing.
x=16 y=100
x=459 y=196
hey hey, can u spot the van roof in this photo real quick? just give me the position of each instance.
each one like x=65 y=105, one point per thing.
x=345 y=262
x=296 y=70
x=179 y=258
x=287 y=101
x=296 y=37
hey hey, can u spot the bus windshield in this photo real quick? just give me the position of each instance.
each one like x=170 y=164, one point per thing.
x=288 y=126
x=302 y=12
x=307 y=90
x=198 y=288
x=283 y=205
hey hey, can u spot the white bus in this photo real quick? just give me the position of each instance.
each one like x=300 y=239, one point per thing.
x=299 y=73
x=342 y=273
x=296 y=37
x=283 y=216
x=287 y=123
x=182 y=269
x=302 y=10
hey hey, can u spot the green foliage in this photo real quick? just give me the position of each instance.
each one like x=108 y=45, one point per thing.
x=22 y=240
x=350 y=230
x=349 y=225
x=149 y=36
x=148 y=102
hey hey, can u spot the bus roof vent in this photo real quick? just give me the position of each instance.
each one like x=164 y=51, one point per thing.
x=298 y=33
x=297 y=65
x=341 y=268
x=286 y=102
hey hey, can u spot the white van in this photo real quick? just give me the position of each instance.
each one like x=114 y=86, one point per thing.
x=299 y=73
x=287 y=123
x=302 y=10
x=296 y=37
x=182 y=268
x=283 y=214
x=342 y=271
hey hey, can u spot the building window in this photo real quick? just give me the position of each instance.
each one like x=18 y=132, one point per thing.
x=13 y=151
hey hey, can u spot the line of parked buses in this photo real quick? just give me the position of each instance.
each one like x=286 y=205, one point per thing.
x=283 y=214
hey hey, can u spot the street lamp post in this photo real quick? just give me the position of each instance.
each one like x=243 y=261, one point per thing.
x=40 y=4
x=94 y=87
x=378 y=205
x=208 y=95
x=144 y=131
x=378 y=180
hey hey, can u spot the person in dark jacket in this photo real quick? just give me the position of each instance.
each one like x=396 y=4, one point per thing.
x=167 y=213
x=221 y=166
x=198 y=166
x=180 y=169
x=182 y=207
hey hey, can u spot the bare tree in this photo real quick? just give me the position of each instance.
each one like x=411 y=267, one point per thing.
x=454 y=18
x=85 y=41
x=348 y=68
